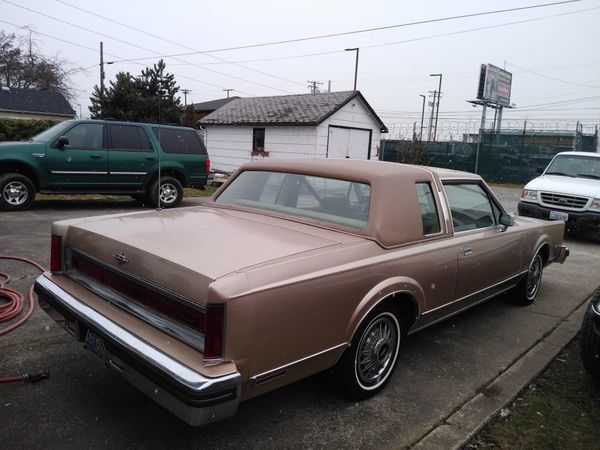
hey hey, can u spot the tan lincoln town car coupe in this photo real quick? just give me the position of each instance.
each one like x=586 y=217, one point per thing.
x=291 y=268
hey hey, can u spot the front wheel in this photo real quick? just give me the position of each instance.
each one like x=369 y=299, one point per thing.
x=17 y=192
x=367 y=365
x=526 y=291
x=168 y=194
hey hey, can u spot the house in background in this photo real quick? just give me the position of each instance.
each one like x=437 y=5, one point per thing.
x=324 y=125
x=205 y=108
x=23 y=103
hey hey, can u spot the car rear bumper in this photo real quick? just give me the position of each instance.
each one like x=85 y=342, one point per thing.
x=191 y=396
x=586 y=219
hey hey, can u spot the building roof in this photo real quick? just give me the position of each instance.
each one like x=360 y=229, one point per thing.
x=213 y=105
x=302 y=109
x=35 y=101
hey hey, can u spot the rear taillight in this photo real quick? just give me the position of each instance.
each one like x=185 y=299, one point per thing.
x=213 y=331
x=56 y=254
x=207 y=165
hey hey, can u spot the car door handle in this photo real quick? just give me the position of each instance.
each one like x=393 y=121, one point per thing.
x=96 y=156
x=467 y=250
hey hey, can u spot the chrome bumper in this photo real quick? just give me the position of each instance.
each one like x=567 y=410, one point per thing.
x=562 y=254
x=194 y=398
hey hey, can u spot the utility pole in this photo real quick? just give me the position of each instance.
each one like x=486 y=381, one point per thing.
x=329 y=86
x=228 y=90
x=422 y=117
x=438 y=102
x=481 y=136
x=356 y=49
x=185 y=93
x=101 y=77
x=431 y=118
x=312 y=85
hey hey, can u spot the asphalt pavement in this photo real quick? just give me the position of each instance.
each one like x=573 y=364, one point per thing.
x=450 y=378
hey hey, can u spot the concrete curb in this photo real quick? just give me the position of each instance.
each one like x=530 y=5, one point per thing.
x=458 y=428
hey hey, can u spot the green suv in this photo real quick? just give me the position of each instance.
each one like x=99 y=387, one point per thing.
x=103 y=157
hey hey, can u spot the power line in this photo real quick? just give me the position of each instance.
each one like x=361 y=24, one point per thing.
x=366 y=30
x=552 y=78
x=222 y=61
x=139 y=46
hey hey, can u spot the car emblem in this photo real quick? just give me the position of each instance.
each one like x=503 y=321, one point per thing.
x=121 y=258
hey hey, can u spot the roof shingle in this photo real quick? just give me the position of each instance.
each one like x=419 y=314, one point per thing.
x=38 y=101
x=302 y=109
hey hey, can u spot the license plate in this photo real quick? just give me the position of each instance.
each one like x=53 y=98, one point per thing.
x=95 y=344
x=558 y=215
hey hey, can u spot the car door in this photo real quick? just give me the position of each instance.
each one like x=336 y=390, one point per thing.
x=81 y=165
x=130 y=156
x=489 y=254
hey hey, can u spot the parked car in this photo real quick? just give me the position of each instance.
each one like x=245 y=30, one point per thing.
x=590 y=337
x=291 y=268
x=103 y=157
x=568 y=190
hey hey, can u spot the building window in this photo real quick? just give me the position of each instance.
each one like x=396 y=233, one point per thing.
x=258 y=142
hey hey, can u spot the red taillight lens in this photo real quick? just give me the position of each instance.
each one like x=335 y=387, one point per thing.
x=207 y=165
x=213 y=331
x=56 y=254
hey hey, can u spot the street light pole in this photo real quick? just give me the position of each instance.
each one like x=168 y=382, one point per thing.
x=422 y=117
x=439 y=96
x=356 y=49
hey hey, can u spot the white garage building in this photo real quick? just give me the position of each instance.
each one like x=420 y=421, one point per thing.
x=324 y=125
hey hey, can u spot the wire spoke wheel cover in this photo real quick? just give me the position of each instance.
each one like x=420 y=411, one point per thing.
x=534 y=277
x=15 y=193
x=377 y=351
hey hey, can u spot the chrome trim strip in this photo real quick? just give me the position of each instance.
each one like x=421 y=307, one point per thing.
x=127 y=173
x=508 y=280
x=287 y=366
x=169 y=366
x=65 y=172
x=38 y=155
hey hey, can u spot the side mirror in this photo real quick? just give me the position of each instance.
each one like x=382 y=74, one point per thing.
x=62 y=141
x=539 y=170
x=506 y=220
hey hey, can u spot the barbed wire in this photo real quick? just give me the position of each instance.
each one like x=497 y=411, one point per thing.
x=455 y=129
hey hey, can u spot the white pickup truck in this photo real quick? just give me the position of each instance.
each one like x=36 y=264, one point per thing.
x=568 y=190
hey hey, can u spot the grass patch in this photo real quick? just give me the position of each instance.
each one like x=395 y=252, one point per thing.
x=187 y=192
x=559 y=410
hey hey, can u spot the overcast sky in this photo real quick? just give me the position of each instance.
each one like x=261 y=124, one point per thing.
x=552 y=51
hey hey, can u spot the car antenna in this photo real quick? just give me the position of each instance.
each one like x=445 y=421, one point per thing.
x=158 y=202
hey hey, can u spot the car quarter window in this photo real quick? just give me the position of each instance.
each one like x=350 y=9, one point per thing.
x=85 y=136
x=129 y=138
x=179 y=140
x=471 y=206
x=342 y=202
x=429 y=213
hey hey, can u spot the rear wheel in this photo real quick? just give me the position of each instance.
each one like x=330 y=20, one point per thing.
x=17 y=192
x=526 y=291
x=168 y=195
x=367 y=365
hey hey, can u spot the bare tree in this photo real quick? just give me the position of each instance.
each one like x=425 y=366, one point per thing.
x=23 y=66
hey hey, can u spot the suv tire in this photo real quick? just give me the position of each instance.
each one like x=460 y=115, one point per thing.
x=17 y=192
x=168 y=195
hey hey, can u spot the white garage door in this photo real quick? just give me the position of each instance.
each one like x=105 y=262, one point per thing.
x=350 y=143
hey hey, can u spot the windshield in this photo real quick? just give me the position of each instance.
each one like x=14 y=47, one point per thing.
x=331 y=200
x=52 y=132
x=575 y=166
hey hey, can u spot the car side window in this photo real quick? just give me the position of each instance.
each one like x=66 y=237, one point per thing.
x=429 y=214
x=129 y=138
x=470 y=206
x=85 y=136
x=184 y=141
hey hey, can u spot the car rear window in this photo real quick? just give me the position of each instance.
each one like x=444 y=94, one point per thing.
x=173 y=140
x=341 y=202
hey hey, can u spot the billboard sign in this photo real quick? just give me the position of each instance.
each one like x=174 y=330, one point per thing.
x=494 y=85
